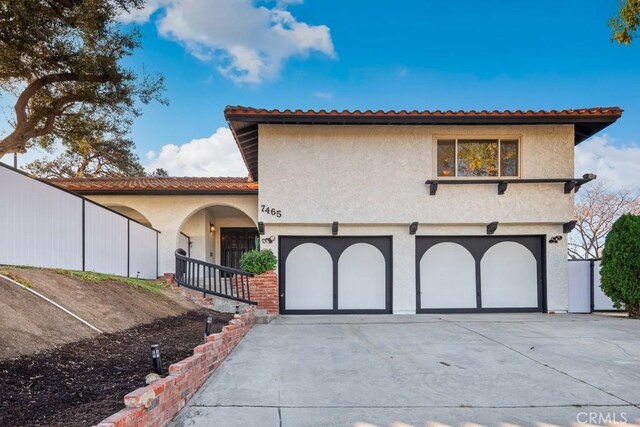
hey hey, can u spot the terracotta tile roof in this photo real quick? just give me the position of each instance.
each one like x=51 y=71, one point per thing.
x=580 y=112
x=244 y=121
x=151 y=185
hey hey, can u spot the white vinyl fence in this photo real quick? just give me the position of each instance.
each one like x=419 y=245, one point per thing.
x=585 y=295
x=43 y=225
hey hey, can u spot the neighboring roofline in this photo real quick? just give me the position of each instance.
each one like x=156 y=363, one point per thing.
x=244 y=121
x=167 y=192
x=160 y=186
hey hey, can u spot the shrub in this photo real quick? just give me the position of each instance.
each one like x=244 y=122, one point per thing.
x=257 y=262
x=620 y=271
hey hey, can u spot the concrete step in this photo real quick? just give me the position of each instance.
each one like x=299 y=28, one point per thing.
x=263 y=319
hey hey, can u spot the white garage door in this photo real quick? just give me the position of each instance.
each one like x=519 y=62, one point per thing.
x=322 y=274
x=471 y=274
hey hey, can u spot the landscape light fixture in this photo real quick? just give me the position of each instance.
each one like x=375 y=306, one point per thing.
x=212 y=227
x=261 y=227
x=413 y=228
x=334 y=228
x=492 y=227
x=568 y=226
x=207 y=328
x=155 y=359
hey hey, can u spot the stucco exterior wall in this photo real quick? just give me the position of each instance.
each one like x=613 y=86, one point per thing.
x=371 y=179
x=376 y=174
x=170 y=213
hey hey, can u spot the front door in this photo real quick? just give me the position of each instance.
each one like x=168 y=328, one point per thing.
x=234 y=242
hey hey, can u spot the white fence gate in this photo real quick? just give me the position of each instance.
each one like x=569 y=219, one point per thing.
x=585 y=295
x=43 y=225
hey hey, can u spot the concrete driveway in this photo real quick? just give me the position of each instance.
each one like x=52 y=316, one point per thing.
x=522 y=369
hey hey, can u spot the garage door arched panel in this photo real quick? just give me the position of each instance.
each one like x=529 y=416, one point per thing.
x=309 y=278
x=362 y=278
x=335 y=274
x=509 y=276
x=447 y=277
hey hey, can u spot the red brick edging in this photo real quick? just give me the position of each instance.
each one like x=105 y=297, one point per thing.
x=156 y=404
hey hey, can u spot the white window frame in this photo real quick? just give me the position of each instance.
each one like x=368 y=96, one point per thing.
x=438 y=138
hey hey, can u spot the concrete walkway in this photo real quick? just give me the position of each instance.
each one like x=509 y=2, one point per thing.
x=522 y=369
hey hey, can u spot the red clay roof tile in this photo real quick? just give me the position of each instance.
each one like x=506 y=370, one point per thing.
x=597 y=111
x=137 y=185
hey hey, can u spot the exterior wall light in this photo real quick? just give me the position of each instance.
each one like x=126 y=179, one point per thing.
x=212 y=228
x=492 y=227
x=269 y=239
x=334 y=228
x=555 y=239
x=413 y=228
x=261 y=227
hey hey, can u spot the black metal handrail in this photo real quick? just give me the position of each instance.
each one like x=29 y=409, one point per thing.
x=212 y=279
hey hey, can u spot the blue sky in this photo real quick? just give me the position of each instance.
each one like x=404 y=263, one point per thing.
x=356 y=54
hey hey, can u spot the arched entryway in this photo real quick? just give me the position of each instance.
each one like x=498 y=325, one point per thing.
x=218 y=234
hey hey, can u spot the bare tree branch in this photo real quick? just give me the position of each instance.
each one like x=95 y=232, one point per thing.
x=596 y=210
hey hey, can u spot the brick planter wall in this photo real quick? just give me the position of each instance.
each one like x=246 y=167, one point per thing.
x=264 y=291
x=156 y=404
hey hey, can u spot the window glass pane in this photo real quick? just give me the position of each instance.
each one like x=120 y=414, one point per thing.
x=478 y=157
x=446 y=158
x=509 y=157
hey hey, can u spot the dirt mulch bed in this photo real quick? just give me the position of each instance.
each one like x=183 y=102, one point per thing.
x=81 y=383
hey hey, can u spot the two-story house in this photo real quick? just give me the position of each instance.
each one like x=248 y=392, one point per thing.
x=387 y=212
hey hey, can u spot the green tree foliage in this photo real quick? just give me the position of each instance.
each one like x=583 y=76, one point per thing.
x=61 y=61
x=90 y=159
x=625 y=24
x=159 y=173
x=620 y=271
x=258 y=261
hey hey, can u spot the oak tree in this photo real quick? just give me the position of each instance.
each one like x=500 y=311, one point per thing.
x=61 y=61
x=625 y=24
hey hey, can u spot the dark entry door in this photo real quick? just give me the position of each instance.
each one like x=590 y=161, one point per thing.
x=234 y=242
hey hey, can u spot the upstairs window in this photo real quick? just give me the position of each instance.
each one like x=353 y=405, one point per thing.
x=478 y=158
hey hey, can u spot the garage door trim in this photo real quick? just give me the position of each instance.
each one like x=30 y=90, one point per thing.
x=535 y=243
x=335 y=246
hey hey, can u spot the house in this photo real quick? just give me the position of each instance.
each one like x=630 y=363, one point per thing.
x=384 y=212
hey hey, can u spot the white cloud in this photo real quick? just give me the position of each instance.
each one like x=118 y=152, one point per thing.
x=618 y=166
x=323 y=95
x=143 y=14
x=249 y=43
x=217 y=155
